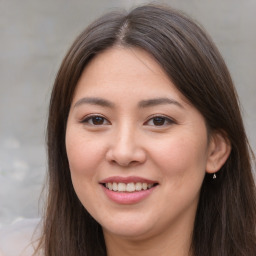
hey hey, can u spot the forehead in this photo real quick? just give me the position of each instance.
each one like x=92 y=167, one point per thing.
x=127 y=72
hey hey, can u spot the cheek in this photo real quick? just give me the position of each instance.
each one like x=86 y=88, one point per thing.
x=83 y=153
x=181 y=156
x=84 y=156
x=182 y=166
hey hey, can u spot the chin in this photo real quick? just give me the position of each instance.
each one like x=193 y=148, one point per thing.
x=133 y=233
x=129 y=229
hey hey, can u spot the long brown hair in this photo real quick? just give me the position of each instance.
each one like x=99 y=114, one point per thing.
x=225 y=223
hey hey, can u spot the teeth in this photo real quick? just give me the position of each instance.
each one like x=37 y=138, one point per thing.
x=114 y=187
x=129 y=187
x=121 y=187
x=109 y=185
x=150 y=185
x=138 y=186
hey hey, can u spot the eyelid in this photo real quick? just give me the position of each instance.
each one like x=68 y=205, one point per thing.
x=169 y=120
x=85 y=119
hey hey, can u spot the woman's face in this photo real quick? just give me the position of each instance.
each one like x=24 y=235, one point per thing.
x=137 y=149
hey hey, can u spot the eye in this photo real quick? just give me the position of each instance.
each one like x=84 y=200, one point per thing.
x=95 y=120
x=159 y=121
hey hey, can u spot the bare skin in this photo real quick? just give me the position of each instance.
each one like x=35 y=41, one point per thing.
x=129 y=122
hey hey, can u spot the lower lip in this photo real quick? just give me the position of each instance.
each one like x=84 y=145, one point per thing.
x=128 y=197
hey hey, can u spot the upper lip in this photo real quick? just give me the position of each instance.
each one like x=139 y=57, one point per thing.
x=120 y=179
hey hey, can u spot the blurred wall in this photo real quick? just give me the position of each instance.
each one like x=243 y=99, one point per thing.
x=34 y=36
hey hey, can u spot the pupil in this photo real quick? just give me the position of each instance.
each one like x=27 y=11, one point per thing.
x=97 y=120
x=158 y=121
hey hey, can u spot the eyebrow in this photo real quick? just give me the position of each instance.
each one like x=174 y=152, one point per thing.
x=158 y=101
x=141 y=104
x=94 y=101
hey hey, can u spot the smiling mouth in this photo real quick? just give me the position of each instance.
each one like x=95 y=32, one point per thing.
x=128 y=187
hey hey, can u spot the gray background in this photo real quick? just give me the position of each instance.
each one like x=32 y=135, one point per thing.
x=34 y=38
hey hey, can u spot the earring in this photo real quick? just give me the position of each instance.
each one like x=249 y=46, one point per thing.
x=214 y=176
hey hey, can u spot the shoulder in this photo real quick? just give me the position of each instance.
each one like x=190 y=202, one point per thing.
x=19 y=238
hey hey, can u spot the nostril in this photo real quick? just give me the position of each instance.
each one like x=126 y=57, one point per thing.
x=124 y=164
x=124 y=157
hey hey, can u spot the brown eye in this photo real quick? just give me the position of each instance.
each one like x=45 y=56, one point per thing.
x=95 y=120
x=159 y=121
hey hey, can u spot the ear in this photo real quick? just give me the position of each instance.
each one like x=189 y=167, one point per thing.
x=219 y=151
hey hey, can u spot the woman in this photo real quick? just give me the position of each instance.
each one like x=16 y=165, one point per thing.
x=147 y=149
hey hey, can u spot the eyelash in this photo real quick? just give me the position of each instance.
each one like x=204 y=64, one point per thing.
x=165 y=119
x=89 y=120
x=158 y=118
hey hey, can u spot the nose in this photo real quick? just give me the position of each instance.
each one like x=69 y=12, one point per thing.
x=126 y=149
